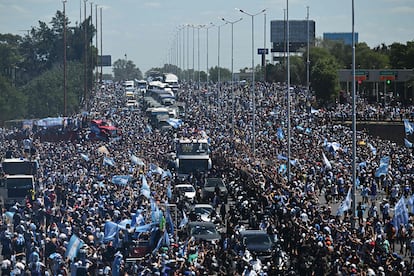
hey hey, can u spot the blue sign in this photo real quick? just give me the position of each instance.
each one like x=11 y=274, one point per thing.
x=261 y=51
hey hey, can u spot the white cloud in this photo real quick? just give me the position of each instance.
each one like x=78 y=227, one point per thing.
x=153 y=4
x=403 y=10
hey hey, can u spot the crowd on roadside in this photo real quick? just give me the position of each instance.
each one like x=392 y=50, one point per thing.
x=75 y=195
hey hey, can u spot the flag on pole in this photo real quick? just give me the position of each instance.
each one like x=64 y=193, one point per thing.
x=383 y=167
x=408 y=127
x=400 y=213
x=372 y=148
x=280 y=133
x=73 y=247
x=183 y=221
x=407 y=143
x=326 y=162
x=345 y=204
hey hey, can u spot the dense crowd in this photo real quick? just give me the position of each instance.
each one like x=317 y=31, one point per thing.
x=76 y=195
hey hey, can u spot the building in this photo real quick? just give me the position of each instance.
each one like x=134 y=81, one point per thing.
x=346 y=38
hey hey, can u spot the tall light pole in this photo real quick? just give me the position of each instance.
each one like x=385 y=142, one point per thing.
x=264 y=47
x=198 y=53
x=232 y=72
x=208 y=27
x=253 y=84
x=307 y=54
x=353 y=122
x=100 y=15
x=96 y=44
x=288 y=87
x=218 y=63
x=64 y=59
x=85 y=84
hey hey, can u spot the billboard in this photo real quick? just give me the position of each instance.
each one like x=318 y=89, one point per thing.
x=104 y=60
x=298 y=34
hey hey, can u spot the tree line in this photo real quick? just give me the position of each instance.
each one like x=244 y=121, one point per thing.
x=31 y=68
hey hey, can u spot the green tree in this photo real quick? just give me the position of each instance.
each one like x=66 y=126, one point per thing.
x=325 y=80
x=126 y=70
x=12 y=101
x=225 y=74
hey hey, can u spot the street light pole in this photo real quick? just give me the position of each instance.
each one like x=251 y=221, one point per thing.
x=253 y=83
x=288 y=87
x=208 y=27
x=218 y=63
x=353 y=123
x=232 y=72
x=307 y=58
x=85 y=84
x=64 y=59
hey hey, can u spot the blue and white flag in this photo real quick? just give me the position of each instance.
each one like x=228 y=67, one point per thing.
x=281 y=157
x=169 y=191
x=109 y=161
x=314 y=111
x=400 y=213
x=136 y=160
x=121 y=180
x=166 y=174
x=326 y=162
x=84 y=157
x=407 y=143
x=145 y=228
x=383 y=167
x=137 y=218
x=282 y=169
x=279 y=133
x=145 y=188
x=372 y=148
x=345 y=204
x=175 y=123
x=73 y=247
x=155 y=169
x=169 y=222
x=183 y=221
x=408 y=127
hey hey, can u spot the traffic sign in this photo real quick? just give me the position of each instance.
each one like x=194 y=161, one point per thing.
x=262 y=51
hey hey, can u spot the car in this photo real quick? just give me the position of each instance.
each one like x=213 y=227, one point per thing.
x=203 y=230
x=132 y=103
x=185 y=190
x=210 y=187
x=258 y=242
x=201 y=212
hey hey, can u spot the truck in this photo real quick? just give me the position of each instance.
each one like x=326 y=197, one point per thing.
x=192 y=155
x=18 y=182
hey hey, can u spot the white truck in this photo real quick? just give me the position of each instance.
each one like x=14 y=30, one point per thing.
x=18 y=183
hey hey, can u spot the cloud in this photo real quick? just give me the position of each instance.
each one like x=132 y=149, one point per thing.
x=153 y=4
x=403 y=10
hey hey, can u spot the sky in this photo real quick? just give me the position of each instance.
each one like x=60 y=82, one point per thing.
x=147 y=32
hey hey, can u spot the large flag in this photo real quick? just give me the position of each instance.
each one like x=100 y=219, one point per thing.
x=155 y=169
x=407 y=143
x=383 y=167
x=73 y=247
x=169 y=222
x=109 y=161
x=280 y=133
x=183 y=221
x=400 y=213
x=345 y=204
x=136 y=160
x=85 y=157
x=372 y=148
x=408 y=127
x=145 y=188
x=326 y=162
